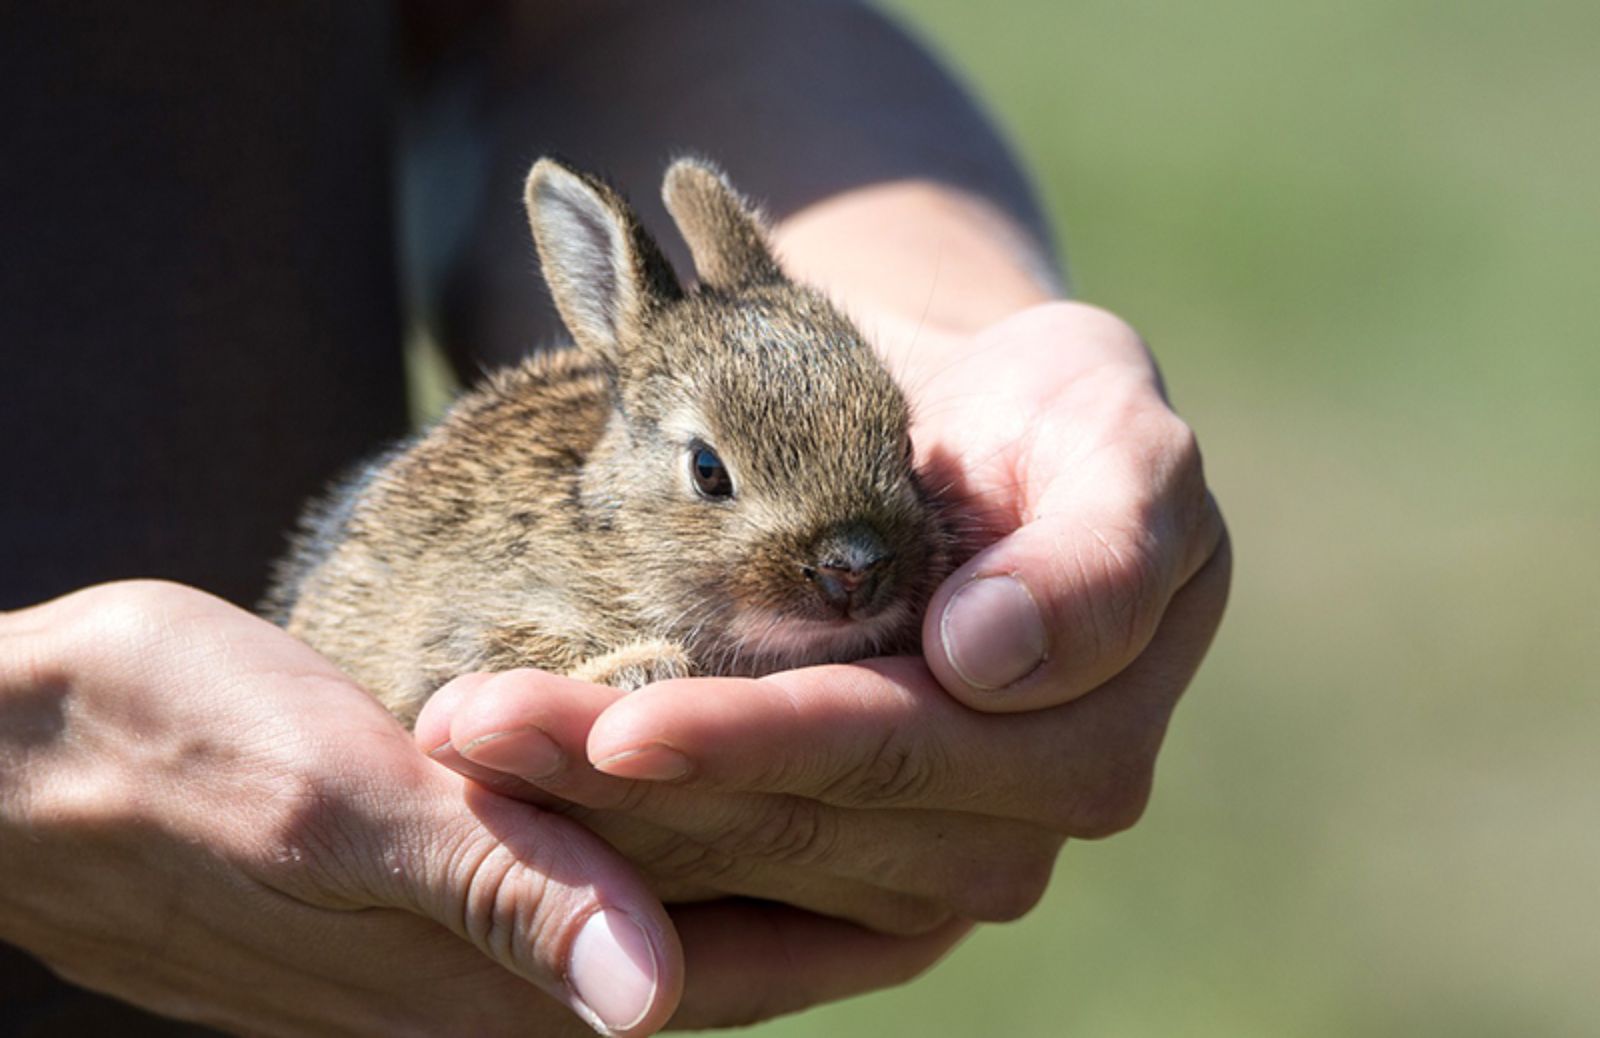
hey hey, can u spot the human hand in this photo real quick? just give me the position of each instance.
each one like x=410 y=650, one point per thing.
x=1098 y=545
x=866 y=792
x=202 y=816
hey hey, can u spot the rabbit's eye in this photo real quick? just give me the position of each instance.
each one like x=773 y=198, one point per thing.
x=710 y=475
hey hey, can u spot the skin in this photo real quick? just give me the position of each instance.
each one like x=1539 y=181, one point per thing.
x=181 y=777
x=200 y=816
x=847 y=790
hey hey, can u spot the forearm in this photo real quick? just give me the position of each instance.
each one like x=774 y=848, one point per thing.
x=917 y=261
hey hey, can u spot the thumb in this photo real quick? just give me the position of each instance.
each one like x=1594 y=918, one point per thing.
x=1062 y=604
x=551 y=902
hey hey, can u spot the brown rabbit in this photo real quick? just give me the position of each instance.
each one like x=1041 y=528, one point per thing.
x=716 y=481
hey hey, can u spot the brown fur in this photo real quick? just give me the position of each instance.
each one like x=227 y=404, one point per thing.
x=550 y=520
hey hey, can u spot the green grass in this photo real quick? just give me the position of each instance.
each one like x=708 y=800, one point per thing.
x=1364 y=239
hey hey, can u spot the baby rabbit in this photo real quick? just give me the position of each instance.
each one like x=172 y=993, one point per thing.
x=715 y=481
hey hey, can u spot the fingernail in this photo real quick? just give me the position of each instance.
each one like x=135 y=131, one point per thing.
x=992 y=632
x=526 y=752
x=612 y=971
x=653 y=763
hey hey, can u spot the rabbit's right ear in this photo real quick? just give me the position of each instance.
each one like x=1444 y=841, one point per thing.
x=724 y=231
x=604 y=271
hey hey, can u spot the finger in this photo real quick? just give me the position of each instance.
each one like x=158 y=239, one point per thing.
x=882 y=734
x=752 y=961
x=901 y=872
x=520 y=732
x=535 y=892
x=1065 y=602
x=678 y=863
x=893 y=871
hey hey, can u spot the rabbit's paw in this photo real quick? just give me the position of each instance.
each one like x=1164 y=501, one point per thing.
x=636 y=664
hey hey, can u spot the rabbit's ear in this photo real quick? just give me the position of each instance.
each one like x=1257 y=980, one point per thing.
x=604 y=271
x=724 y=232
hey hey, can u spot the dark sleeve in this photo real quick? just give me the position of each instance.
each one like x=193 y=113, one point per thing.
x=198 y=316
x=197 y=282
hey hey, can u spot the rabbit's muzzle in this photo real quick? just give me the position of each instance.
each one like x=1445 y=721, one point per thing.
x=849 y=568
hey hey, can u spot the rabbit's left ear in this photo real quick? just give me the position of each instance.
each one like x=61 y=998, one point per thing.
x=724 y=231
x=605 y=272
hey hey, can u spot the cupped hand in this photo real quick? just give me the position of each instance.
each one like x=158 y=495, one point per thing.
x=202 y=816
x=893 y=793
x=1083 y=495
x=205 y=818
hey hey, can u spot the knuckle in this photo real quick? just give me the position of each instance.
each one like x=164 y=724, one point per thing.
x=1009 y=895
x=145 y=598
x=1008 y=884
x=906 y=916
x=895 y=772
x=622 y=796
x=510 y=894
x=1181 y=445
x=1192 y=506
x=487 y=889
x=1096 y=321
x=680 y=858
x=1132 y=578
x=790 y=830
x=1111 y=804
x=502 y=898
x=129 y=613
x=126 y=619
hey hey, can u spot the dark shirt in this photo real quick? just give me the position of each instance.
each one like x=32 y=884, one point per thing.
x=198 y=310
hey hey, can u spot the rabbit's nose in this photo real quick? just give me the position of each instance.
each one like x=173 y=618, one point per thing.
x=847 y=587
x=849 y=566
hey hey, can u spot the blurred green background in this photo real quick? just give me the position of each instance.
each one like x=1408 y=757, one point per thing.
x=1364 y=238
